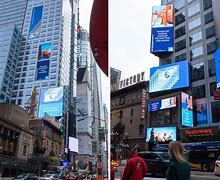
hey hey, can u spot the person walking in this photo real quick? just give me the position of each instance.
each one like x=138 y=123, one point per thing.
x=179 y=168
x=135 y=168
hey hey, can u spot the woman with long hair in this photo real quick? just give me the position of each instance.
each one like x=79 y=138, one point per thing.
x=179 y=168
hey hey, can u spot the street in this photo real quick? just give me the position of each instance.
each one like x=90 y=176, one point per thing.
x=195 y=175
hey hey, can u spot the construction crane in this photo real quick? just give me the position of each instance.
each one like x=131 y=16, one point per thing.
x=31 y=104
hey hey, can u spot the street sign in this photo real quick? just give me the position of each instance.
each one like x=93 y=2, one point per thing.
x=217 y=95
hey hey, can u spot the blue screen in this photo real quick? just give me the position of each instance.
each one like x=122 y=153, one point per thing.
x=161 y=134
x=217 y=65
x=187 y=110
x=162 y=29
x=51 y=102
x=35 y=24
x=171 y=76
x=42 y=71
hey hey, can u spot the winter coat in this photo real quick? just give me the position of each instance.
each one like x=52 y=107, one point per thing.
x=135 y=168
x=178 y=170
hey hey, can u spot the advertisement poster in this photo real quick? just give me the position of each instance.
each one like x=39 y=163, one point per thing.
x=170 y=76
x=201 y=113
x=162 y=29
x=161 y=134
x=44 y=51
x=217 y=65
x=35 y=23
x=51 y=102
x=162 y=104
x=42 y=72
x=187 y=110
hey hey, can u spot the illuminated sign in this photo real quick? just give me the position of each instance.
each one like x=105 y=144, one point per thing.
x=132 y=80
x=44 y=51
x=161 y=134
x=170 y=76
x=217 y=65
x=187 y=110
x=143 y=104
x=162 y=29
x=162 y=104
x=42 y=71
x=35 y=23
x=51 y=102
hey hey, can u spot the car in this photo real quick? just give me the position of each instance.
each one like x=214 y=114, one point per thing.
x=157 y=162
x=217 y=167
x=50 y=177
x=26 y=176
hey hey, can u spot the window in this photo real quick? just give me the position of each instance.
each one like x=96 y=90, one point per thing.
x=131 y=121
x=141 y=129
x=196 y=52
x=215 y=111
x=207 y=4
x=121 y=114
x=211 y=47
x=195 y=37
x=178 y=5
x=212 y=88
x=194 y=23
x=180 y=45
x=24 y=150
x=211 y=65
x=181 y=57
x=198 y=92
x=180 y=18
x=193 y=9
x=210 y=32
x=132 y=111
x=198 y=72
x=180 y=32
x=208 y=17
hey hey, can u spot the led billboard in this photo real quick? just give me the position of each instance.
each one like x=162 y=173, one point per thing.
x=73 y=144
x=35 y=23
x=162 y=104
x=217 y=65
x=162 y=29
x=187 y=110
x=42 y=71
x=161 y=134
x=51 y=102
x=170 y=76
x=44 y=51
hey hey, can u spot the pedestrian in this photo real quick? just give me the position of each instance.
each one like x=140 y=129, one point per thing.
x=135 y=168
x=179 y=168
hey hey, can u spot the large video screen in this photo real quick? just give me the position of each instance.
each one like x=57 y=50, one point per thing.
x=187 y=110
x=162 y=29
x=217 y=65
x=162 y=104
x=35 y=23
x=170 y=76
x=161 y=134
x=51 y=102
x=44 y=51
x=42 y=71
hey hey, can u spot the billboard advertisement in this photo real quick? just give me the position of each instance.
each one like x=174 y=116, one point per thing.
x=162 y=29
x=162 y=104
x=73 y=144
x=217 y=65
x=161 y=134
x=44 y=51
x=35 y=23
x=170 y=76
x=42 y=71
x=187 y=110
x=51 y=102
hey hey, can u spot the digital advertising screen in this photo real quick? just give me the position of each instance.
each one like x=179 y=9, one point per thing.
x=217 y=65
x=161 y=134
x=187 y=109
x=42 y=71
x=162 y=29
x=73 y=144
x=35 y=23
x=51 y=102
x=201 y=113
x=44 y=51
x=162 y=104
x=168 y=77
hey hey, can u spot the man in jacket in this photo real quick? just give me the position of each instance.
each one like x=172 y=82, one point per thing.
x=135 y=168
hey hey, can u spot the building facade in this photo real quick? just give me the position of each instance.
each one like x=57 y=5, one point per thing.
x=10 y=39
x=115 y=75
x=196 y=32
